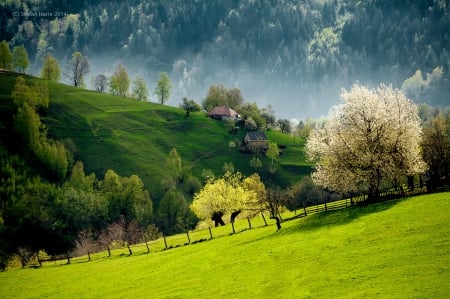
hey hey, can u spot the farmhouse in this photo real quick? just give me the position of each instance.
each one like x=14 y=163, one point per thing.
x=256 y=140
x=223 y=113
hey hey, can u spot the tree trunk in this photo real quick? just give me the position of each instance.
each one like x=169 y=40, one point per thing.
x=264 y=218
x=217 y=218
x=277 y=219
x=234 y=215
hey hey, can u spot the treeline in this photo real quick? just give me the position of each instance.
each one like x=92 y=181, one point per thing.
x=311 y=42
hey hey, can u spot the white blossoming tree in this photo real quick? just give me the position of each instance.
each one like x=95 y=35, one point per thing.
x=370 y=139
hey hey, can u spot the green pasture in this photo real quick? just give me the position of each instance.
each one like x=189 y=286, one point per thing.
x=395 y=249
x=133 y=137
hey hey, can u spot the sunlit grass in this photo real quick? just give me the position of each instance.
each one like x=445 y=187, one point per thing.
x=395 y=249
x=133 y=137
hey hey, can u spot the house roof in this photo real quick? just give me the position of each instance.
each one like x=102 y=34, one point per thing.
x=223 y=111
x=254 y=136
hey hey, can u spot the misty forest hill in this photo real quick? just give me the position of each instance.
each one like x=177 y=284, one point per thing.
x=135 y=137
x=302 y=52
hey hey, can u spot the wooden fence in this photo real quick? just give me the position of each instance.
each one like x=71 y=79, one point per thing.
x=198 y=236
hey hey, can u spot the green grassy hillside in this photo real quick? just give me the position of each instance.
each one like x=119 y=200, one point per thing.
x=395 y=249
x=134 y=137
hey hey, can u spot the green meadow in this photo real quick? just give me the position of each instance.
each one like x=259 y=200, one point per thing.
x=133 y=137
x=395 y=249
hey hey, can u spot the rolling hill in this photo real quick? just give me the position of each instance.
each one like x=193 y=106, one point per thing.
x=132 y=137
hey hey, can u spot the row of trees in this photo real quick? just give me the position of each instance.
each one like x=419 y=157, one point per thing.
x=77 y=69
x=234 y=194
x=17 y=60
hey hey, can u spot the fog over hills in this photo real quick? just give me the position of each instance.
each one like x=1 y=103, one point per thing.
x=294 y=55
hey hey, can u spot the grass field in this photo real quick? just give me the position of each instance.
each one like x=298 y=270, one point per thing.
x=133 y=137
x=395 y=249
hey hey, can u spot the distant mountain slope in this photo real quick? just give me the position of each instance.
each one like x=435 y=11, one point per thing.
x=132 y=137
x=293 y=54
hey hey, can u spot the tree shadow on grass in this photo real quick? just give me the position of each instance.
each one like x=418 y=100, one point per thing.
x=339 y=217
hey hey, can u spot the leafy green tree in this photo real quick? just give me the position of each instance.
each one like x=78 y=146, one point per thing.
x=251 y=111
x=255 y=163
x=50 y=69
x=82 y=210
x=436 y=149
x=163 y=88
x=269 y=116
x=5 y=56
x=20 y=60
x=250 y=124
x=140 y=90
x=78 y=67
x=284 y=125
x=127 y=198
x=372 y=138
x=28 y=124
x=173 y=164
x=189 y=106
x=172 y=212
x=119 y=81
x=27 y=121
x=304 y=128
x=54 y=156
x=79 y=180
x=272 y=152
x=218 y=95
x=35 y=96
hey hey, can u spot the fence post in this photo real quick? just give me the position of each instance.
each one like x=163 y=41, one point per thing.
x=165 y=241
x=210 y=233
x=264 y=218
x=189 y=239
x=249 y=223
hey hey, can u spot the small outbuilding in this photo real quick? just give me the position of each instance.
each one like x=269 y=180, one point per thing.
x=256 y=140
x=223 y=113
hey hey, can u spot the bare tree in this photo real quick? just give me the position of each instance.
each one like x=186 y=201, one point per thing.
x=25 y=255
x=100 y=83
x=84 y=244
x=78 y=67
x=133 y=234
x=274 y=200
